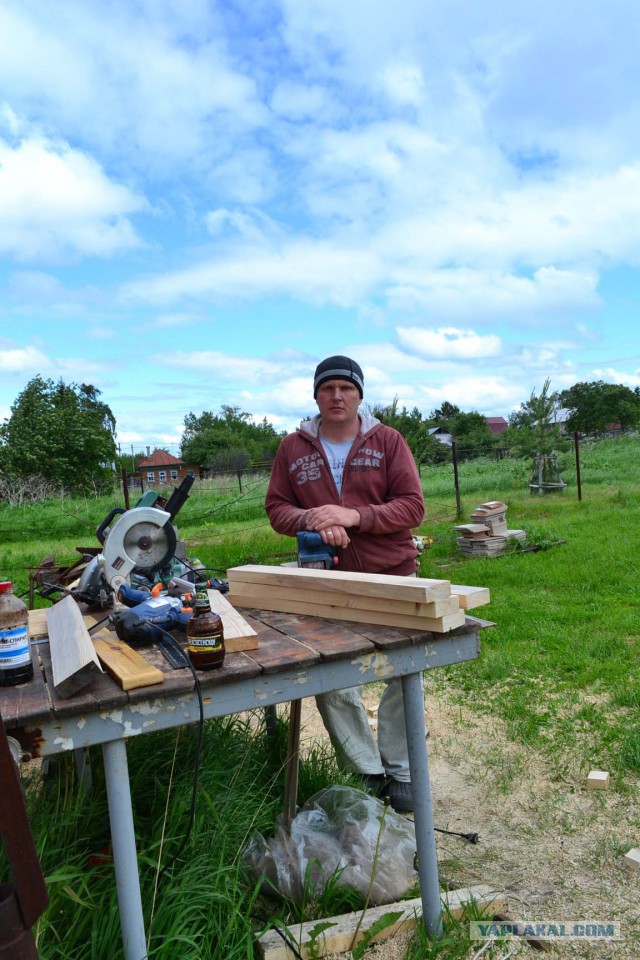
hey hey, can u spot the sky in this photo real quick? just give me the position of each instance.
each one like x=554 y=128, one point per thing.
x=200 y=200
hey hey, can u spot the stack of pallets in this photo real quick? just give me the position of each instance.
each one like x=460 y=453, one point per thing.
x=434 y=605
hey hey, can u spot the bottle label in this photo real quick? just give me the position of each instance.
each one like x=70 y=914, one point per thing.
x=14 y=648
x=202 y=644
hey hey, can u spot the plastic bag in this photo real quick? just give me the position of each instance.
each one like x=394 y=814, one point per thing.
x=338 y=829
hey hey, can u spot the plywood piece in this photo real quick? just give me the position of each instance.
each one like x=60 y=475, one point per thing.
x=74 y=662
x=238 y=590
x=238 y=634
x=418 y=589
x=326 y=610
x=348 y=929
x=125 y=664
x=470 y=597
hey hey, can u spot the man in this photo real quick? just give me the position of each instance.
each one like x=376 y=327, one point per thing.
x=354 y=480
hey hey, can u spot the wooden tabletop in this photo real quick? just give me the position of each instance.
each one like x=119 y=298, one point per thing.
x=286 y=642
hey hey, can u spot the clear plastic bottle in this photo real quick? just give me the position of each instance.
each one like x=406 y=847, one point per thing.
x=205 y=636
x=15 y=655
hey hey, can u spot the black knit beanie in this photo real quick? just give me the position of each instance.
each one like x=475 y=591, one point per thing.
x=338 y=368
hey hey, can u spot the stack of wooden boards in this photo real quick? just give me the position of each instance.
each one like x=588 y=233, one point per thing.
x=487 y=534
x=434 y=605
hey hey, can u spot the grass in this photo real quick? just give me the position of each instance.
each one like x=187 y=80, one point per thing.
x=559 y=670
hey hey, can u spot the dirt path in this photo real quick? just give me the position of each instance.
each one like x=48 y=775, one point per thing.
x=552 y=846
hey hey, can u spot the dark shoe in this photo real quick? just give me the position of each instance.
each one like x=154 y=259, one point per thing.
x=375 y=783
x=400 y=796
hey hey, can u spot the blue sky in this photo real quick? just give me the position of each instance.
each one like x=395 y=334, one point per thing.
x=201 y=200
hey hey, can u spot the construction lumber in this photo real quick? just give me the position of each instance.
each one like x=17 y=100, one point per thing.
x=470 y=597
x=348 y=929
x=256 y=591
x=38 y=624
x=331 y=612
x=74 y=661
x=238 y=635
x=418 y=590
x=123 y=663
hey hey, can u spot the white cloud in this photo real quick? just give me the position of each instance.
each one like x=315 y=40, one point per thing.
x=23 y=359
x=448 y=343
x=54 y=199
x=319 y=273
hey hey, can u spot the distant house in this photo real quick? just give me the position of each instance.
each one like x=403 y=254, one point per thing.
x=497 y=425
x=163 y=467
x=441 y=435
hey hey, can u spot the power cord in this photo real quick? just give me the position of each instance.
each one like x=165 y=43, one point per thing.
x=181 y=656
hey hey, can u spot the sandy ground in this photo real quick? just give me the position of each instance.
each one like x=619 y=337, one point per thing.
x=552 y=846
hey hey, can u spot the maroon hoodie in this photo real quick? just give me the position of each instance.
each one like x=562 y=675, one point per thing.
x=380 y=480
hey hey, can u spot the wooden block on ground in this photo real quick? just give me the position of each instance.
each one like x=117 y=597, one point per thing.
x=238 y=634
x=344 y=929
x=125 y=664
x=632 y=859
x=598 y=780
x=74 y=661
x=416 y=589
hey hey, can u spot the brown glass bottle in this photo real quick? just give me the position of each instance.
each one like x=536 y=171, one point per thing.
x=205 y=636
x=15 y=655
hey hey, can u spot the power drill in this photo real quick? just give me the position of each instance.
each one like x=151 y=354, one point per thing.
x=148 y=616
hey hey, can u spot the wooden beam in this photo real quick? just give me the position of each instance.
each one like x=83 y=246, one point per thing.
x=418 y=589
x=74 y=661
x=125 y=664
x=238 y=590
x=470 y=597
x=238 y=635
x=330 y=612
x=344 y=929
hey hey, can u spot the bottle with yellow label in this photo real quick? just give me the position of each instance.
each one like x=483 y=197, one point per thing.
x=205 y=636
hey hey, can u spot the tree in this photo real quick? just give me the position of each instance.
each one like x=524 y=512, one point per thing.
x=532 y=429
x=597 y=404
x=410 y=424
x=209 y=436
x=62 y=433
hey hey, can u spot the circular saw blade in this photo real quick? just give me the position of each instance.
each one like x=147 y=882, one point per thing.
x=150 y=546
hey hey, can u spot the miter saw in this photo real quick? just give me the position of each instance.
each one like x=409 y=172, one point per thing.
x=136 y=548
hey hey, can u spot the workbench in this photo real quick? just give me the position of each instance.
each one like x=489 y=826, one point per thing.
x=297 y=657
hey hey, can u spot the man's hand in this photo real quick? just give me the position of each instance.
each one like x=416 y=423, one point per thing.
x=332 y=521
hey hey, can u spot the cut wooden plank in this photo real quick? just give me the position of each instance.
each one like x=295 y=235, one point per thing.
x=74 y=661
x=238 y=634
x=326 y=610
x=238 y=590
x=125 y=664
x=416 y=589
x=470 y=597
x=349 y=927
x=38 y=624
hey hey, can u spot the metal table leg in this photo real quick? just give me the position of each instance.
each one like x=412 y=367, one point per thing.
x=413 y=697
x=124 y=849
x=292 y=762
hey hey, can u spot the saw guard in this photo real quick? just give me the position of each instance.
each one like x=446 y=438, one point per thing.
x=141 y=538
